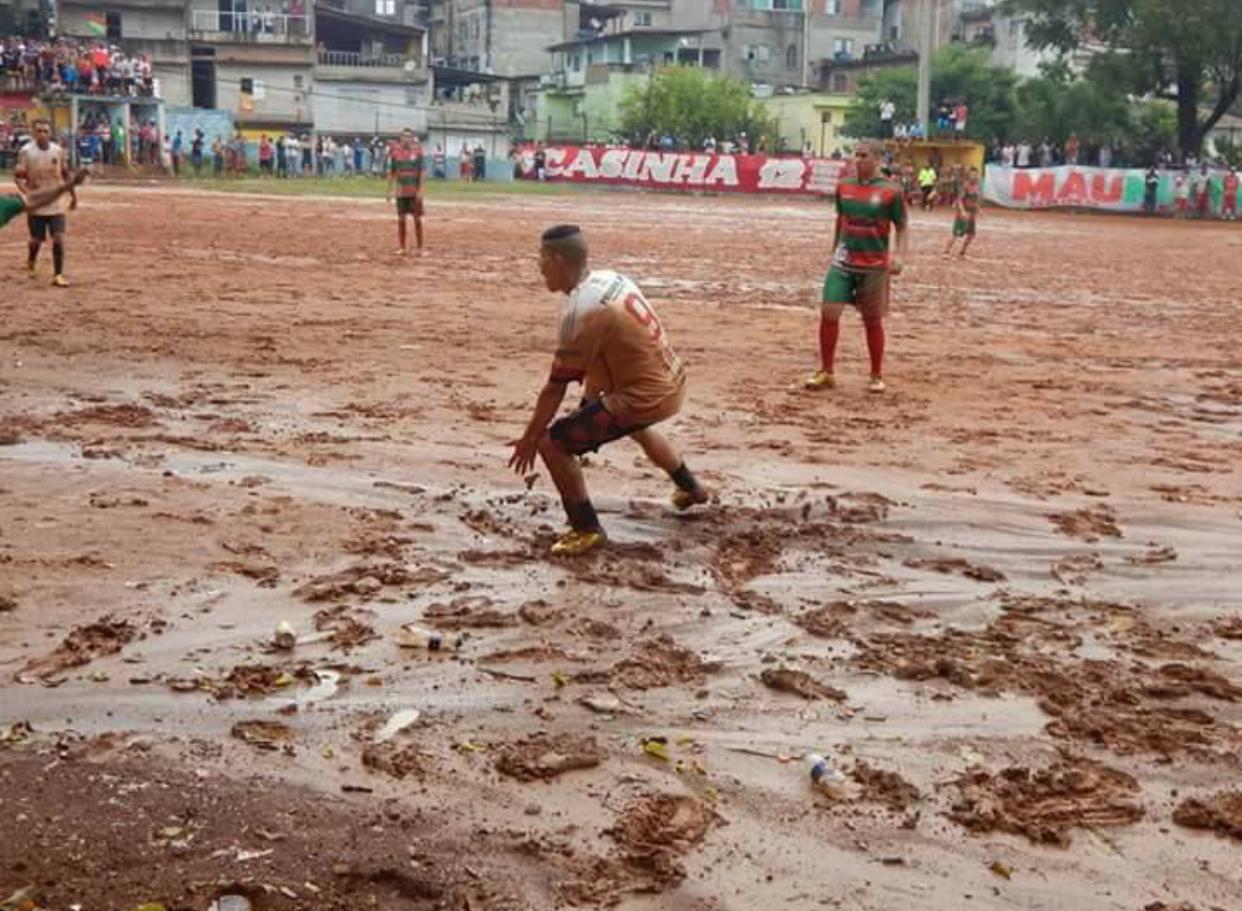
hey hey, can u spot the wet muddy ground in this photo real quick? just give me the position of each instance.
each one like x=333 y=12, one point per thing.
x=1003 y=599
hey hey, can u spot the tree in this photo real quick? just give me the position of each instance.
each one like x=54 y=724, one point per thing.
x=691 y=104
x=958 y=72
x=1096 y=108
x=1188 y=51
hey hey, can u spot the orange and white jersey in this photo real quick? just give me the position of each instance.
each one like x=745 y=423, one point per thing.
x=43 y=169
x=611 y=340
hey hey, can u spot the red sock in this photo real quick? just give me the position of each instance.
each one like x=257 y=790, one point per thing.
x=829 y=331
x=401 y=232
x=875 y=344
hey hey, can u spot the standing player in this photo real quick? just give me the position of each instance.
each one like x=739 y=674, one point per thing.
x=967 y=213
x=13 y=205
x=43 y=165
x=405 y=169
x=868 y=208
x=612 y=342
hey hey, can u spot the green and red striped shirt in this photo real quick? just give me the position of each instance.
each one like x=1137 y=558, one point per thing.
x=407 y=166
x=868 y=211
x=970 y=198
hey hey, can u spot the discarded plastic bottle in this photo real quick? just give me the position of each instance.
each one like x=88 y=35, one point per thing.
x=285 y=637
x=417 y=637
x=825 y=776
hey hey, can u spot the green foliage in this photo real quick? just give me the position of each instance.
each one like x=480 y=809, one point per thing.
x=1096 y=108
x=691 y=104
x=1230 y=151
x=1187 y=51
x=958 y=72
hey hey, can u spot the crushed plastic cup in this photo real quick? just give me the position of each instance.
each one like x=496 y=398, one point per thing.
x=285 y=637
x=825 y=776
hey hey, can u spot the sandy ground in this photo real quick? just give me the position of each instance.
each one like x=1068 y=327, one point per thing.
x=1004 y=598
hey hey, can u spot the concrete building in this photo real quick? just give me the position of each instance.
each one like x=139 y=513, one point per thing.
x=496 y=37
x=157 y=28
x=371 y=69
x=984 y=23
x=581 y=96
x=814 y=117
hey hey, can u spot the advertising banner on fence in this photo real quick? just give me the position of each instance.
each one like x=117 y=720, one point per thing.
x=1106 y=189
x=685 y=170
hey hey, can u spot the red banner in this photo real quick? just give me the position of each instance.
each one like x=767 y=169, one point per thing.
x=685 y=170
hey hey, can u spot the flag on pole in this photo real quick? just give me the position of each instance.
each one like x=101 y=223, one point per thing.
x=97 y=24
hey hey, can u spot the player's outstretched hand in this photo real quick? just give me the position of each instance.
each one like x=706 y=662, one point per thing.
x=523 y=458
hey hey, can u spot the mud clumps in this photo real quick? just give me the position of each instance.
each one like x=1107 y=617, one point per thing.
x=957 y=566
x=473 y=612
x=542 y=758
x=115 y=415
x=654 y=831
x=800 y=683
x=366 y=580
x=1221 y=813
x=265 y=735
x=1044 y=805
x=83 y=644
x=835 y=620
x=347 y=631
x=394 y=759
x=267 y=575
x=1089 y=523
x=658 y=662
x=888 y=788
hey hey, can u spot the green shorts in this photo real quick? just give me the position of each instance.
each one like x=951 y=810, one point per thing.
x=10 y=207
x=866 y=290
x=964 y=227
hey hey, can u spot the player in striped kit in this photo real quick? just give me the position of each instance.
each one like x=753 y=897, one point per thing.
x=869 y=208
x=405 y=174
x=964 y=225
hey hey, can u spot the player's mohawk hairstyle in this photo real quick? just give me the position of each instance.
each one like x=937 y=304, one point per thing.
x=561 y=232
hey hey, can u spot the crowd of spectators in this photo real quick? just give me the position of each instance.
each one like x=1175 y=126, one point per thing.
x=66 y=65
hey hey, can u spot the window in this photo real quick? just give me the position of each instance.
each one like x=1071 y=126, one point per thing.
x=385 y=7
x=758 y=53
x=840 y=83
x=298 y=82
x=843 y=48
x=791 y=57
x=114 y=26
x=783 y=5
x=641 y=20
x=825 y=117
x=833 y=8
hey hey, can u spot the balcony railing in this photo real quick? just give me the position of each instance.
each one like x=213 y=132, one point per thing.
x=367 y=61
x=253 y=25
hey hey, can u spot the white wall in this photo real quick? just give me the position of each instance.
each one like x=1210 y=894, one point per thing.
x=355 y=108
x=282 y=99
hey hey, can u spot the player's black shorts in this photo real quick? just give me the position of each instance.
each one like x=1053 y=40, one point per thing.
x=589 y=428
x=44 y=226
x=410 y=205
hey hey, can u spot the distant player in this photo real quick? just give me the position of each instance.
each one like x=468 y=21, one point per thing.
x=13 y=205
x=612 y=342
x=43 y=165
x=868 y=209
x=1229 y=201
x=964 y=225
x=405 y=171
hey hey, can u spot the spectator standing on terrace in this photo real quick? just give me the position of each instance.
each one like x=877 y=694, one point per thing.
x=709 y=145
x=176 y=154
x=960 y=113
x=439 y=166
x=888 y=110
x=1045 y=154
x=360 y=151
x=465 y=163
x=1105 y=156
x=308 y=155
x=480 y=163
x=1009 y=155
x=217 y=157
x=347 y=156
x=1024 y=154
x=1181 y=190
x=282 y=157
x=1229 y=204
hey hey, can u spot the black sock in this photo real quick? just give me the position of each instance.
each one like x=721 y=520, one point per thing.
x=684 y=479
x=32 y=255
x=58 y=258
x=582 y=515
